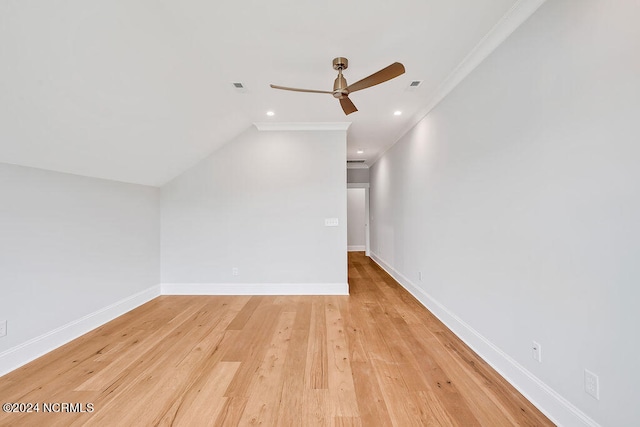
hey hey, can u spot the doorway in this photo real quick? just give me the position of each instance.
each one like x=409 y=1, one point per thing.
x=358 y=218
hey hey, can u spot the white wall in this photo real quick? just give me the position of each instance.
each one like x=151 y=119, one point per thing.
x=358 y=175
x=518 y=199
x=70 y=246
x=259 y=204
x=356 y=219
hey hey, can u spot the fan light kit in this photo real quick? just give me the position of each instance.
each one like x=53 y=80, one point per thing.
x=341 y=90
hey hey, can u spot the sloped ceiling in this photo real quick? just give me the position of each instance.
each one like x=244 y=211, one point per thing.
x=138 y=91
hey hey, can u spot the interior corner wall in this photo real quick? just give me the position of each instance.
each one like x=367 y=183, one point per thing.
x=518 y=199
x=75 y=252
x=258 y=205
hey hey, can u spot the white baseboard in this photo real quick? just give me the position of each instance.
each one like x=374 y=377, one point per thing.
x=548 y=401
x=255 y=289
x=24 y=353
x=356 y=248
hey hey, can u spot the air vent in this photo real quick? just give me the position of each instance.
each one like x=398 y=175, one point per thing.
x=414 y=85
x=239 y=87
x=355 y=161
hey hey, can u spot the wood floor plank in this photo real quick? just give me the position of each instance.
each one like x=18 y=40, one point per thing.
x=294 y=369
x=245 y=314
x=339 y=376
x=231 y=411
x=347 y=422
x=250 y=348
x=374 y=358
x=207 y=401
x=371 y=404
x=316 y=368
x=267 y=383
x=316 y=408
x=402 y=410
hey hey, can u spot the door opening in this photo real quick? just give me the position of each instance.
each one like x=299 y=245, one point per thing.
x=358 y=218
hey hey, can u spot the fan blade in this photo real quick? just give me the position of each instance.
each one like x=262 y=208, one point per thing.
x=347 y=106
x=300 y=90
x=388 y=73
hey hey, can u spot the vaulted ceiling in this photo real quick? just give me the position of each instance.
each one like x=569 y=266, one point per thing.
x=138 y=91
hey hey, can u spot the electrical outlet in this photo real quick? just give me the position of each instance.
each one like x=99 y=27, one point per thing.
x=234 y=271
x=3 y=328
x=536 y=351
x=591 y=384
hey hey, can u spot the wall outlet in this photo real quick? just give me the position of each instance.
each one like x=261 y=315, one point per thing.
x=591 y=384
x=536 y=351
x=3 y=328
x=234 y=271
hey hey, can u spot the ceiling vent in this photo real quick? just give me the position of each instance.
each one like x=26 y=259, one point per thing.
x=355 y=161
x=239 y=87
x=414 y=85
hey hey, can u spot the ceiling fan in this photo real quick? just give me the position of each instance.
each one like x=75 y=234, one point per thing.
x=342 y=91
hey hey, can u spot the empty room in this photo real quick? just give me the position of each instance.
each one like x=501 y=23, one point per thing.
x=329 y=213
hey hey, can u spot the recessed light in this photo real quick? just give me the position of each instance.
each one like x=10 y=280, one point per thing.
x=397 y=113
x=270 y=113
x=360 y=151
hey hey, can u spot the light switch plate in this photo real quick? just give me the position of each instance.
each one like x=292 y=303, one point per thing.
x=331 y=222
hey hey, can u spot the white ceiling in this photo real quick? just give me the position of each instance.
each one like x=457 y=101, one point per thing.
x=138 y=91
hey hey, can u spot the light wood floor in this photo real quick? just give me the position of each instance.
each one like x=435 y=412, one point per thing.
x=375 y=358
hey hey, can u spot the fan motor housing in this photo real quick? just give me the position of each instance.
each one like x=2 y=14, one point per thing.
x=339 y=87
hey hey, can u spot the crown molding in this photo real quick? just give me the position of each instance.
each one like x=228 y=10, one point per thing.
x=293 y=126
x=519 y=13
